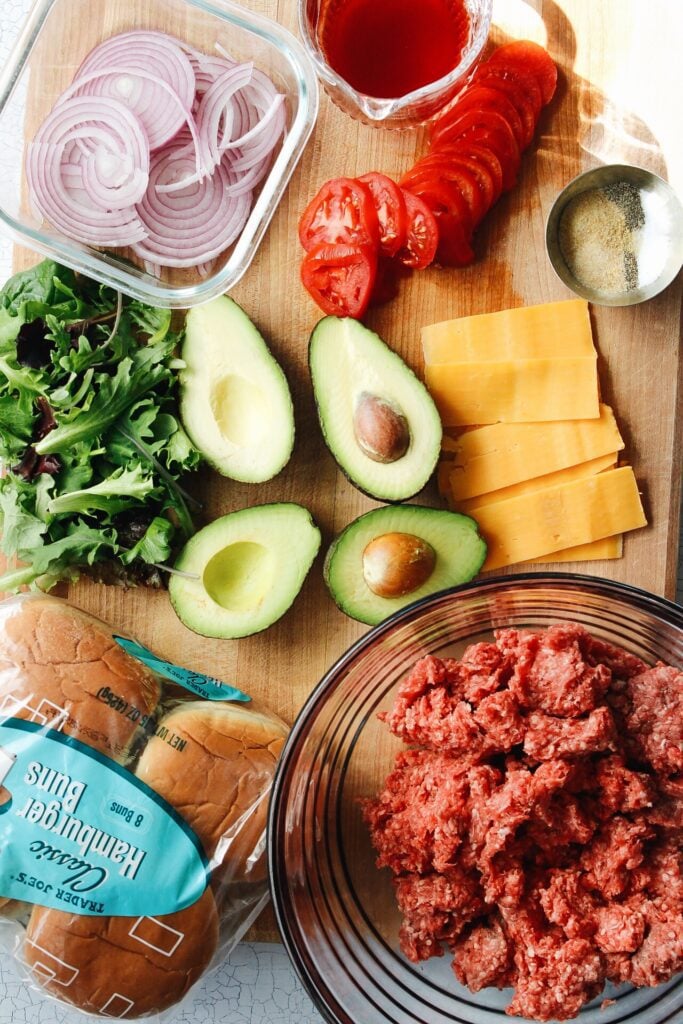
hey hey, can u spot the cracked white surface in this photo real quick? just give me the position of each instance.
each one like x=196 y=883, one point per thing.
x=257 y=985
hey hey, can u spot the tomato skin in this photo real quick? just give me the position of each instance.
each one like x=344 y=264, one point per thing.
x=509 y=78
x=340 y=277
x=342 y=212
x=456 y=172
x=391 y=211
x=422 y=234
x=479 y=97
x=532 y=58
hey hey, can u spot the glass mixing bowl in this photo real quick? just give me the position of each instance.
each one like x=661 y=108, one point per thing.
x=335 y=910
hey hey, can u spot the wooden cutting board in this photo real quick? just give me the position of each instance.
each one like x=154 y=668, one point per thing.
x=615 y=102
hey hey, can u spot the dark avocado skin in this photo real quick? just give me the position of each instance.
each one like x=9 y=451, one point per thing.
x=368 y=494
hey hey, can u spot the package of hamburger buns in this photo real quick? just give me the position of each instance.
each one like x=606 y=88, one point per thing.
x=133 y=804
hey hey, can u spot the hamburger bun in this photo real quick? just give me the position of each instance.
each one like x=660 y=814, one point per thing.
x=62 y=668
x=214 y=763
x=121 y=966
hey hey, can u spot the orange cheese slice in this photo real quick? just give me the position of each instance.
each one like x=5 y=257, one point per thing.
x=551 y=330
x=608 y=547
x=503 y=454
x=515 y=391
x=554 y=518
x=561 y=476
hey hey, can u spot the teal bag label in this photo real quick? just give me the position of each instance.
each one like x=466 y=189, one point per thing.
x=203 y=686
x=80 y=833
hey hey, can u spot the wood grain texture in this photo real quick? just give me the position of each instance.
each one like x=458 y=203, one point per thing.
x=615 y=102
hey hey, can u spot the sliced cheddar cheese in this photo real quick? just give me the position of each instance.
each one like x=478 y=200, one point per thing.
x=561 y=476
x=554 y=329
x=559 y=517
x=515 y=391
x=608 y=547
x=502 y=454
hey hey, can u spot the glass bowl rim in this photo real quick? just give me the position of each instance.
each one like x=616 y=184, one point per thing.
x=637 y=596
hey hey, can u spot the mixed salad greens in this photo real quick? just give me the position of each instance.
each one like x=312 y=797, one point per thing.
x=90 y=440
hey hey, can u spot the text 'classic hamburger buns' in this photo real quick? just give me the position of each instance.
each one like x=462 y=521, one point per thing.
x=214 y=762
x=121 y=966
x=60 y=663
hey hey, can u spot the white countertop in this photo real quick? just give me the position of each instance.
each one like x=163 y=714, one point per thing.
x=257 y=985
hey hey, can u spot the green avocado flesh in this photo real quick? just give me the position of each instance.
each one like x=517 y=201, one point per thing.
x=460 y=554
x=349 y=363
x=234 y=398
x=249 y=567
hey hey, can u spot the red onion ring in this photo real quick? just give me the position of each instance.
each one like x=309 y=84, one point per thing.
x=62 y=201
x=162 y=60
x=194 y=224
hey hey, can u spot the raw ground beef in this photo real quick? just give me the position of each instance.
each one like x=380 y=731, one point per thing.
x=535 y=829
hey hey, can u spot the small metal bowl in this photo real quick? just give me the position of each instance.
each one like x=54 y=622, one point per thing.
x=669 y=216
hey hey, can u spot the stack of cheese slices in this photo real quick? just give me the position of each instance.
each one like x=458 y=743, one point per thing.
x=530 y=451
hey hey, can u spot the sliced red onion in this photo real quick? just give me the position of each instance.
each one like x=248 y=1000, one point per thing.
x=77 y=207
x=76 y=88
x=209 y=123
x=162 y=60
x=194 y=224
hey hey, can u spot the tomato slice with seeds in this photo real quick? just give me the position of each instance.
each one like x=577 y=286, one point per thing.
x=516 y=78
x=488 y=128
x=480 y=154
x=479 y=97
x=530 y=57
x=453 y=220
x=434 y=168
x=340 y=277
x=343 y=212
x=391 y=211
x=422 y=234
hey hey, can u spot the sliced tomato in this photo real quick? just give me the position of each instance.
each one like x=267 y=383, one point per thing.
x=479 y=97
x=422 y=234
x=517 y=78
x=453 y=219
x=434 y=168
x=391 y=211
x=340 y=277
x=531 y=57
x=343 y=212
x=482 y=155
x=488 y=128
x=520 y=99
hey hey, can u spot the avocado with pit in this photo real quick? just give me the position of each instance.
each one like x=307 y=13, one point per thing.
x=377 y=418
x=235 y=402
x=395 y=555
x=242 y=572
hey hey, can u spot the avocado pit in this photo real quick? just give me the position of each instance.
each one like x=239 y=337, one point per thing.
x=380 y=428
x=395 y=564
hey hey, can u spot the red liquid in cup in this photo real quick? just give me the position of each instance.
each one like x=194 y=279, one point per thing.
x=388 y=48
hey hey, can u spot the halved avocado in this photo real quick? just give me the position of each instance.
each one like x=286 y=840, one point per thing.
x=404 y=551
x=377 y=418
x=247 y=566
x=234 y=398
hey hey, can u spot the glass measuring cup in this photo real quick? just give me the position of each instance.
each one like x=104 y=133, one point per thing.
x=404 y=111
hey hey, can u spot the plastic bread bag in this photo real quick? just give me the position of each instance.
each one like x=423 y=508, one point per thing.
x=133 y=808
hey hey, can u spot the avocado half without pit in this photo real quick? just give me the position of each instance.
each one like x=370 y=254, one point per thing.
x=377 y=418
x=395 y=555
x=242 y=572
x=235 y=403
